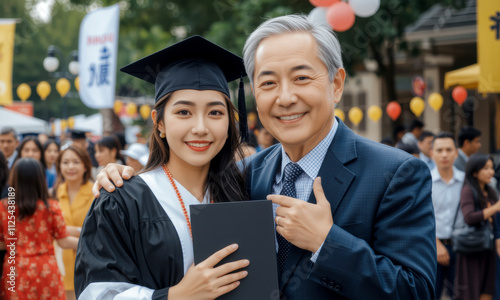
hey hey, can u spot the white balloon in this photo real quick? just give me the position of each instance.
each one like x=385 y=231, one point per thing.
x=364 y=8
x=318 y=15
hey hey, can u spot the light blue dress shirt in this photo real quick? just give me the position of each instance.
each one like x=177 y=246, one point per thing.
x=446 y=199
x=311 y=164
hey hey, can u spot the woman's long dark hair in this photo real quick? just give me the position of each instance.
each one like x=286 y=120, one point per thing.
x=475 y=163
x=38 y=145
x=225 y=181
x=27 y=177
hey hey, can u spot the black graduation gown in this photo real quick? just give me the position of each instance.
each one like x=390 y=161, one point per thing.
x=128 y=237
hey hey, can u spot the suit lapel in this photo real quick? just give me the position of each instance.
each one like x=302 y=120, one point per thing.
x=263 y=177
x=336 y=179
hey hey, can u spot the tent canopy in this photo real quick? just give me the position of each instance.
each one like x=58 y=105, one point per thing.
x=21 y=122
x=468 y=77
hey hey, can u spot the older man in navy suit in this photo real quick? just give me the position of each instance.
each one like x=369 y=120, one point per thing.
x=354 y=218
x=365 y=230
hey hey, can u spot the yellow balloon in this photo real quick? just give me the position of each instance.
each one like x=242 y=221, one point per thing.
x=417 y=106
x=64 y=124
x=117 y=106
x=77 y=83
x=339 y=113
x=374 y=112
x=145 y=110
x=435 y=101
x=63 y=86
x=43 y=89
x=355 y=115
x=131 y=109
x=23 y=91
x=71 y=122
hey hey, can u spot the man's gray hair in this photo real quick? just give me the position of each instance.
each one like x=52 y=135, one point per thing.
x=329 y=50
x=8 y=130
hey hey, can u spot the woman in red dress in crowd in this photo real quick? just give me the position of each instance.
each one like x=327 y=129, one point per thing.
x=29 y=223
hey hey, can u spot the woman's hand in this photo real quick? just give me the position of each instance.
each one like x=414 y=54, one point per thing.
x=113 y=172
x=203 y=281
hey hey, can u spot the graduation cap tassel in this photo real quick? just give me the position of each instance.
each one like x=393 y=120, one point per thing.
x=242 y=112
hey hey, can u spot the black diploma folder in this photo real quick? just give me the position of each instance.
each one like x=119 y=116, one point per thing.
x=249 y=224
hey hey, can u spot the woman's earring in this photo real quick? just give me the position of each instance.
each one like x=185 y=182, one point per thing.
x=162 y=134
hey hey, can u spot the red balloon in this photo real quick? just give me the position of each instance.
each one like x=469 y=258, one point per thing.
x=323 y=3
x=393 y=109
x=459 y=94
x=340 y=16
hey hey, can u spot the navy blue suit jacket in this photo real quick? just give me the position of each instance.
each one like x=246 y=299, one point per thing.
x=382 y=243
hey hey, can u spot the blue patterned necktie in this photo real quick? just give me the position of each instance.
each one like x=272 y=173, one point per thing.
x=292 y=172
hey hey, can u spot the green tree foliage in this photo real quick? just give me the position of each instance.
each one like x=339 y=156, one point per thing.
x=33 y=37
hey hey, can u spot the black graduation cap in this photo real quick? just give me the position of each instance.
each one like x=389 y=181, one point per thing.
x=194 y=63
x=77 y=134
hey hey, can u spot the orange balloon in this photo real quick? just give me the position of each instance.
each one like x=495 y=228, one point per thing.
x=117 y=106
x=340 y=16
x=393 y=109
x=459 y=94
x=323 y=3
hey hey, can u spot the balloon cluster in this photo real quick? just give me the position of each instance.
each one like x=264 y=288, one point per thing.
x=130 y=109
x=43 y=88
x=340 y=15
x=393 y=108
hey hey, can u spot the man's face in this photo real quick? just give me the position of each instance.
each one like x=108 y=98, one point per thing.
x=472 y=147
x=444 y=153
x=426 y=145
x=8 y=144
x=80 y=143
x=295 y=98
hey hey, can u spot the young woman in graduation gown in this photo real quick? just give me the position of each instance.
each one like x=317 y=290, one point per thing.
x=136 y=242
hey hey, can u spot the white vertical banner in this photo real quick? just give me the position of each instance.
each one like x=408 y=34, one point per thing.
x=97 y=53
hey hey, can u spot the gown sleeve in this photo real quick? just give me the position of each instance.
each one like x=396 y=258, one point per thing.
x=106 y=263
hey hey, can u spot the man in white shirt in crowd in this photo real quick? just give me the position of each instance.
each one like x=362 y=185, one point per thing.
x=447 y=184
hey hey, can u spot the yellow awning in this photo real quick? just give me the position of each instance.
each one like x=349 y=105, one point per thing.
x=468 y=77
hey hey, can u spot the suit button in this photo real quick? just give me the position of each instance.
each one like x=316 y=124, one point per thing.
x=331 y=284
x=324 y=281
x=338 y=288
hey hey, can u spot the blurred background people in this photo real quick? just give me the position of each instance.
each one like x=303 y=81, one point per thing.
x=425 y=145
x=469 y=143
x=8 y=144
x=50 y=152
x=74 y=192
x=478 y=202
x=107 y=150
x=4 y=176
x=78 y=139
x=39 y=222
x=414 y=132
x=410 y=149
x=132 y=155
x=398 y=133
x=264 y=139
x=31 y=147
